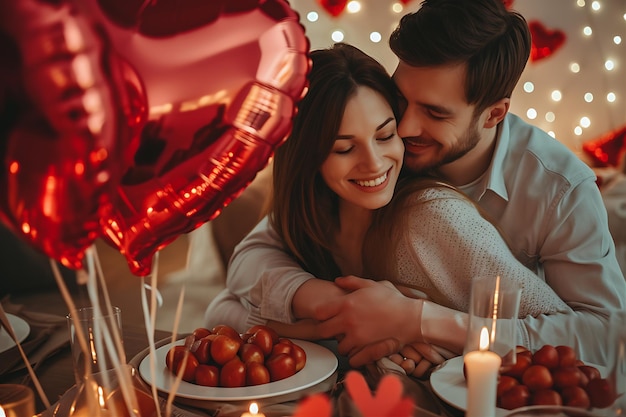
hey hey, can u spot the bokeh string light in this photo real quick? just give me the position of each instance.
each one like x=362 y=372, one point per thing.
x=576 y=93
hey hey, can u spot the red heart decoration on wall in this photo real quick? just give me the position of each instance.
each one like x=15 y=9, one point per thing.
x=508 y=3
x=544 y=42
x=609 y=148
x=334 y=7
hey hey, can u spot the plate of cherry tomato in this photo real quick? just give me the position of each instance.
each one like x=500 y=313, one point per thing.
x=318 y=365
x=550 y=376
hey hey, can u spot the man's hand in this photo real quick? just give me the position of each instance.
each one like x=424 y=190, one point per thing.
x=372 y=311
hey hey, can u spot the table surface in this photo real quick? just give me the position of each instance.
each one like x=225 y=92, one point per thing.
x=56 y=376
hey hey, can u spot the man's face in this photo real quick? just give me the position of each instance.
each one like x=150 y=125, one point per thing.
x=437 y=124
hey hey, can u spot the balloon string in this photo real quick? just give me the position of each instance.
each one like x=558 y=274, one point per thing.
x=80 y=335
x=110 y=332
x=4 y=320
x=149 y=314
x=179 y=308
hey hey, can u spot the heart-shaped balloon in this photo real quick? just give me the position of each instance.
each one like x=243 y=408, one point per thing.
x=608 y=148
x=333 y=7
x=68 y=111
x=222 y=80
x=544 y=42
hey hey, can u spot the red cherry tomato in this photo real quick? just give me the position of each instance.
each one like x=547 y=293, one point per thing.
x=518 y=396
x=521 y=364
x=203 y=350
x=281 y=347
x=299 y=356
x=249 y=352
x=575 y=397
x=567 y=376
x=537 y=377
x=601 y=392
x=227 y=331
x=505 y=383
x=547 y=356
x=546 y=397
x=233 y=374
x=190 y=364
x=257 y=374
x=263 y=339
x=223 y=348
x=207 y=375
x=567 y=355
x=590 y=371
x=201 y=332
x=275 y=337
x=174 y=356
x=280 y=366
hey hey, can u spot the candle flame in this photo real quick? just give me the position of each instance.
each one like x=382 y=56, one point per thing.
x=2 y=414
x=483 y=344
x=254 y=409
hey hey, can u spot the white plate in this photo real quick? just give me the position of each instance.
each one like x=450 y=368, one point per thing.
x=321 y=363
x=20 y=328
x=448 y=383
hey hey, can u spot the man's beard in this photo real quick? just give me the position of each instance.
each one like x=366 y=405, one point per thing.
x=468 y=142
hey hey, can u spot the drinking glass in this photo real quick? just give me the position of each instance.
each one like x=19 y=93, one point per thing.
x=494 y=305
x=97 y=326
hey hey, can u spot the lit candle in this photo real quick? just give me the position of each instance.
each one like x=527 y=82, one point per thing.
x=254 y=411
x=482 y=368
x=16 y=401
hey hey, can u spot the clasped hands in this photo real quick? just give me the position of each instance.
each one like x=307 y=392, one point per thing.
x=375 y=319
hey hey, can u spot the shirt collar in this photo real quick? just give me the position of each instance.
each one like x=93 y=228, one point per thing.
x=495 y=172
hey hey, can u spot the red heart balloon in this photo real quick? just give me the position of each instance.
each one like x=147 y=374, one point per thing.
x=333 y=7
x=544 y=42
x=69 y=109
x=607 y=149
x=222 y=79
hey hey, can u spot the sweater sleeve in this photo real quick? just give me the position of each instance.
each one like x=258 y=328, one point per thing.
x=264 y=276
x=449 y=243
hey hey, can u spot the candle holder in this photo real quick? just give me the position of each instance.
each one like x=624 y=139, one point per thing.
x=16 y=400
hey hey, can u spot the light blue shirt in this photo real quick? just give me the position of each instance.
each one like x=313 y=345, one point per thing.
x=547 y=203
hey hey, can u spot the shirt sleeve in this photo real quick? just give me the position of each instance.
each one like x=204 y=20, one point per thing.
x=264 y=276
x=577 y=254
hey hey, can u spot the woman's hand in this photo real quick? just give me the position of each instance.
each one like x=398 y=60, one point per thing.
x=418 y=359
x=372 y=311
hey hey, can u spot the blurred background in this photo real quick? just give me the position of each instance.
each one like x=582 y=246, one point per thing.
x=575 y=88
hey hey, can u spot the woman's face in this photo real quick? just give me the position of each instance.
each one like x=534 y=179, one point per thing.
x=364 y=163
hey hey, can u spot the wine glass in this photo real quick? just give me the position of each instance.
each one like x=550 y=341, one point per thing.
x=494 y=305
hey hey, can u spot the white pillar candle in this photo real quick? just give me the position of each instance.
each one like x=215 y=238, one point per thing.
x=482 y=379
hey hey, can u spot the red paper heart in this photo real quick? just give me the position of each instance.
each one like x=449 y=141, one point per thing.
x=316 y=405
x=609 y=148
x=387 y=401
x=334 y=7
x=544 y=42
